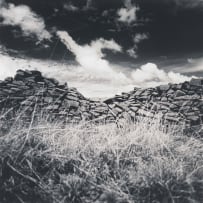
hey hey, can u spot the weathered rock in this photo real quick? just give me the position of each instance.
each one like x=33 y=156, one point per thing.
x=173 y=114
x=73 y=104
x=52 y=107
x=188 y=97
x=196 y=82
x=164 y=99
x=134 y=109
x=179 y=93
x=177 y=103
x=172 y=119
x=48 y=99
x=164 y=88
x=73 y=98
x=170 y=92
x=195 y=120
x=138 y=92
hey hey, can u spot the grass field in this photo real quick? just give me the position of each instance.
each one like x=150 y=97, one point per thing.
x=139 y=162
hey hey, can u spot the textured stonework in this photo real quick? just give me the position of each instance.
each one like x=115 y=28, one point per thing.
x=30 y=94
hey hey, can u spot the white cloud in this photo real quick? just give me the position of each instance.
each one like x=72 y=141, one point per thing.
x=140 y=37
x=29 y=22
x=137 y=39
x=90 y=81
x=90 y=57
x=132 y=53
x=90 y=85
x=70 y=7
x=150 y=75
x=194 y=65
x=128 y=14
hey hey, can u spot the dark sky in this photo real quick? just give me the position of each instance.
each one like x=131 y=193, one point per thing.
x=174 y=28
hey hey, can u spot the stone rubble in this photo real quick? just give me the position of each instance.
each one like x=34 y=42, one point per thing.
x=177 y=103
x=30 y=93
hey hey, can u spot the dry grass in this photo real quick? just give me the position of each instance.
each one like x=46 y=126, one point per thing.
x=139 y=162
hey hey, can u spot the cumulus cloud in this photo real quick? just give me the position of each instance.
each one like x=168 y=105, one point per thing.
x=128 y=14
x=23 y=17
x=92 y=63
x=151 y=75
x=75 y=76
x=94 y=76
x=92 y=85
x=90 y=57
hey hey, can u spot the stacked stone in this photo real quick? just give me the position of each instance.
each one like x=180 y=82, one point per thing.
x=30 y=94
x=177 y=103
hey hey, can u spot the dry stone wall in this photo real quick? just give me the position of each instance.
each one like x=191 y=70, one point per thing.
x=29 y=94
x=176 y=103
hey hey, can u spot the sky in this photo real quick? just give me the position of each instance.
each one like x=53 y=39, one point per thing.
x=103 y=47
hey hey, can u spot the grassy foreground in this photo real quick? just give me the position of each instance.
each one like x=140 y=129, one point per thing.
x=140 y=162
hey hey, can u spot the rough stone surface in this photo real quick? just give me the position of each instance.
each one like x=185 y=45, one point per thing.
x=31 y=94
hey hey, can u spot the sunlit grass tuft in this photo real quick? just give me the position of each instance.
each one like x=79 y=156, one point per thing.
x=87 y=162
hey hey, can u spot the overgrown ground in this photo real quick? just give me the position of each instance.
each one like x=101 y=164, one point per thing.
x=139 y=162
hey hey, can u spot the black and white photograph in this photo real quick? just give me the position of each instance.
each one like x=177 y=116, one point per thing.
x=101 y=101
